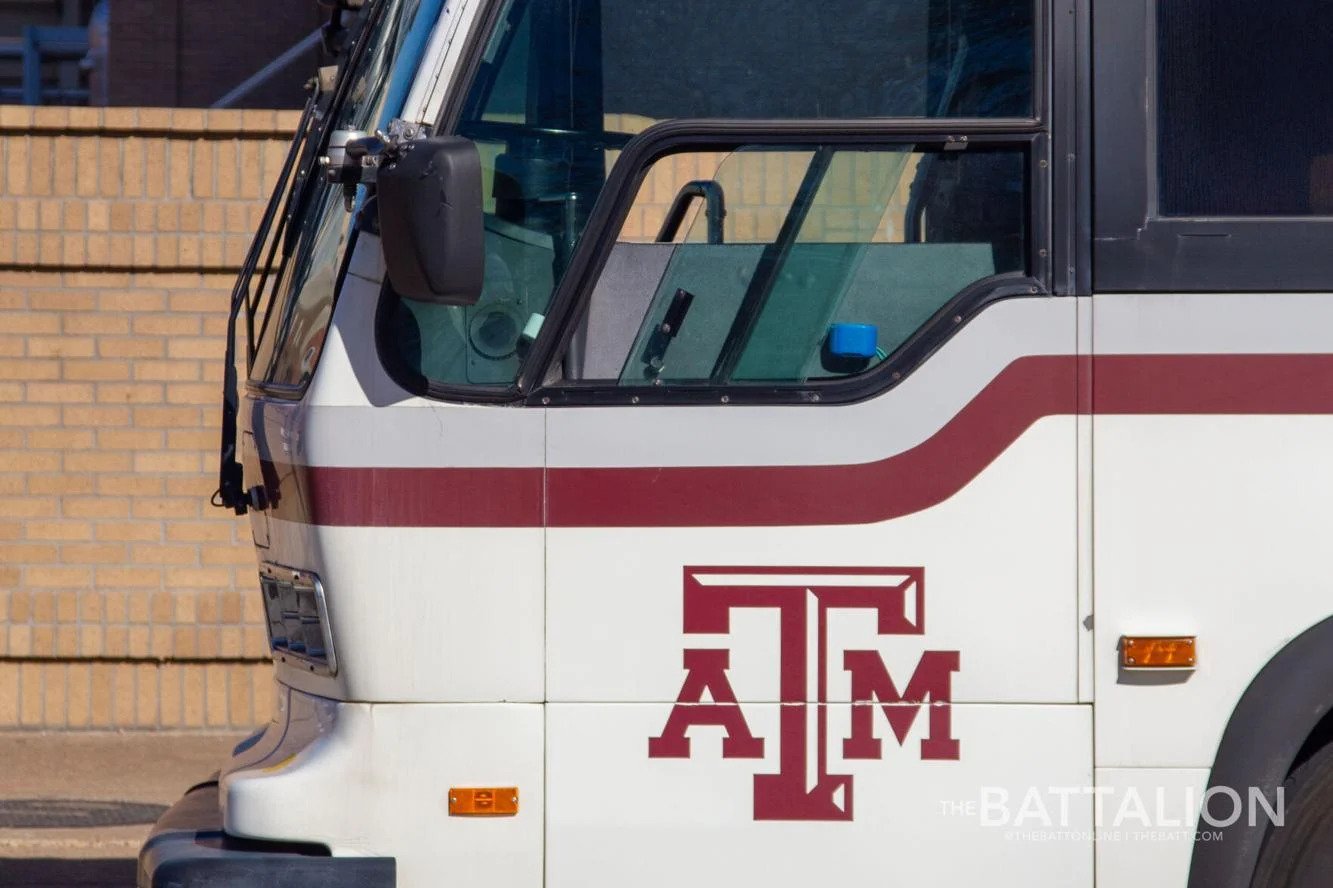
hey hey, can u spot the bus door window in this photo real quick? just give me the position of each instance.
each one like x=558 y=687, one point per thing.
x=817 y=253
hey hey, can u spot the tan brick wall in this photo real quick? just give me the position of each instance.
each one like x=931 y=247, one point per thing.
x=125 y=599
x=135 y=188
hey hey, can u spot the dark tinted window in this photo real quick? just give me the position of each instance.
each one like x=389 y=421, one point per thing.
x=656 y=60
x=833 y=58
x=1245 y=110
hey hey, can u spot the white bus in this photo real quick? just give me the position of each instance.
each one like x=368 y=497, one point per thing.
x=867 y=442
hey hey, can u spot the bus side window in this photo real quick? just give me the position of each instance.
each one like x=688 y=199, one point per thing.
x=1213 y=146
x=1251 y=137
x=789 y=264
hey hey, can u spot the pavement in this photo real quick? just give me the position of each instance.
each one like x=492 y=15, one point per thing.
x=74 y=807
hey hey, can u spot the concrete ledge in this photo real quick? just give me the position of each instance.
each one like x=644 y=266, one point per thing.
x=201 y=122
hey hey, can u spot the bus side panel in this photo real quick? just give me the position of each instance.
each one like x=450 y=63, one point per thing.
x=614 y=821
x=814 y=643
x=1213 y=495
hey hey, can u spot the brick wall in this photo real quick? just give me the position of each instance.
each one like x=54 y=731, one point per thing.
x=125 y=599
x=863 y=198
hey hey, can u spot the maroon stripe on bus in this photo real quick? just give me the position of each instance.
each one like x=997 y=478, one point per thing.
x=753 y=496
x=1212 y=384
x=758 y=496
x=418 y=497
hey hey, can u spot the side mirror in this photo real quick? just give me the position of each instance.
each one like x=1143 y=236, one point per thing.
x=431 y=224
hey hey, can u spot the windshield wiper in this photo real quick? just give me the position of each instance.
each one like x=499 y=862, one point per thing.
x=231 y=492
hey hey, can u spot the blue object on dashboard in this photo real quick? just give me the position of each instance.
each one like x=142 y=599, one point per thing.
x=853 y=340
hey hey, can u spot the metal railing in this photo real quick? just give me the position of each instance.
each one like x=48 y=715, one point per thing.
x=37 y=46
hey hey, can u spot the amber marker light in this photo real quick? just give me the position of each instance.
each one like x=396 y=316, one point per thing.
x=1157 y=652
x=483 y=801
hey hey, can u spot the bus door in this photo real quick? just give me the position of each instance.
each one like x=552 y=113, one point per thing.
x=811 y=488
x=811 y=587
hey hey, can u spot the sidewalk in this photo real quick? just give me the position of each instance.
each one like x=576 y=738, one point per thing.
x=74 y=807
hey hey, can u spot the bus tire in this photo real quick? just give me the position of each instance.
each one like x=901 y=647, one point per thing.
x=1299 y=854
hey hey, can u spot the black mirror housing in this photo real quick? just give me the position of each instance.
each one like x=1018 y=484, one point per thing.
x=431 y=224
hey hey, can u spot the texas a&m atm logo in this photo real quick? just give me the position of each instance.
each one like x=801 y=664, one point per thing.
x=803 y=788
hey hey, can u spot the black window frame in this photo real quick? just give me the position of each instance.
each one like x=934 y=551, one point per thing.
x=571 y=296
x=1136 y=249
x=1060 y=223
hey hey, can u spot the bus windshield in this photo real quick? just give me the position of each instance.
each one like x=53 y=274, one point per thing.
x=564 y=84
x=305 y=283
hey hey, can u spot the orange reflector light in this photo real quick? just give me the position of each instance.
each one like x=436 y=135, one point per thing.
x=1157 y=652
x=483 y=801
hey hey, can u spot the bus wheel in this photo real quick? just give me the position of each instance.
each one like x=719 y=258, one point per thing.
x=1299 y=854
